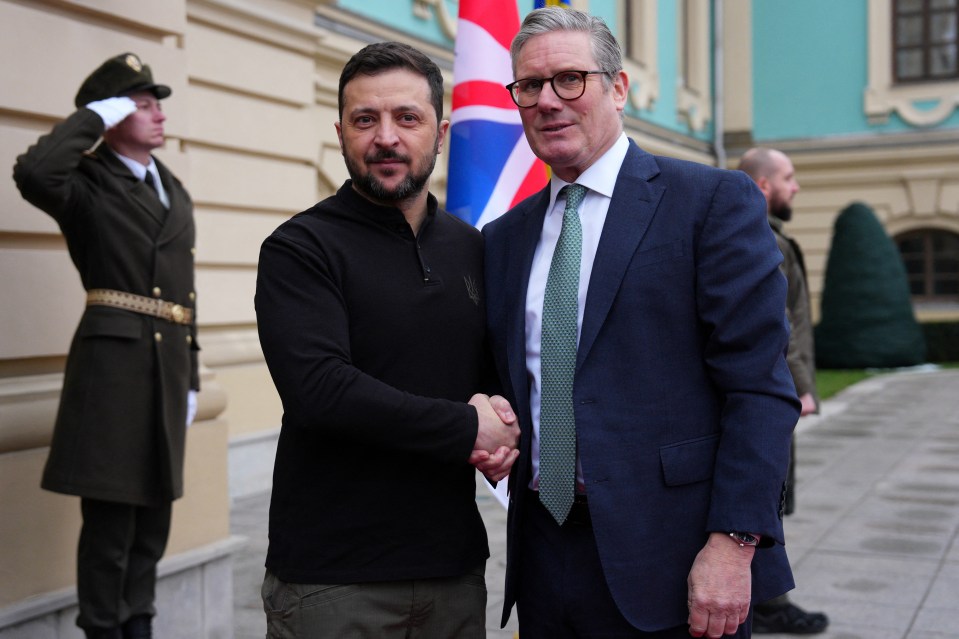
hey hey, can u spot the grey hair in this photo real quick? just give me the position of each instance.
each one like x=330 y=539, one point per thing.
x=606 y=50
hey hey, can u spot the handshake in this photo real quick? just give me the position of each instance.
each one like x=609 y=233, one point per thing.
x=497 y=437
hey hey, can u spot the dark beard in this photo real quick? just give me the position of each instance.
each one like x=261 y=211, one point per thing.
x=370 y=186
x=783 y=212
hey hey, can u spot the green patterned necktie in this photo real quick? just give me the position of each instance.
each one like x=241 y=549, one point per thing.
x=557 y=424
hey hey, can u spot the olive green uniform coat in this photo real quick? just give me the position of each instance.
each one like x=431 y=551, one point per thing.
x=121 y=426
x=801 y=355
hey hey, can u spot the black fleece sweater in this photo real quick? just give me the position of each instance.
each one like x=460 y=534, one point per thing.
x=375 y=339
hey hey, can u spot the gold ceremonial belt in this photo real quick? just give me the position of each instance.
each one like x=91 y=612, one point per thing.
x=139 y=304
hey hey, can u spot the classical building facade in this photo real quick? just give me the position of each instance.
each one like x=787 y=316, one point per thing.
x=862 y=95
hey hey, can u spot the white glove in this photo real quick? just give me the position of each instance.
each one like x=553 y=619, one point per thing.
x=190 y=407
x=113 y=110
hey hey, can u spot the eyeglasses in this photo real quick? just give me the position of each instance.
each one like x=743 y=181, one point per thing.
x=568 y=85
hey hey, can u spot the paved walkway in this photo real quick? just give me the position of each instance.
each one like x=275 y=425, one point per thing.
x=874 y=541
x=249 y=519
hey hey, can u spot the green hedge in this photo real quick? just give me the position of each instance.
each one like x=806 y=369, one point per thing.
x=867 y=319
x=942 y=341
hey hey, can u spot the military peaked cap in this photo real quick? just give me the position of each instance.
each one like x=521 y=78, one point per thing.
x=120 y=75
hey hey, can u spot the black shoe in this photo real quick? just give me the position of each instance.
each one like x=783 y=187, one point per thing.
x=102 y=633
x=789 y=620
x=138 y=627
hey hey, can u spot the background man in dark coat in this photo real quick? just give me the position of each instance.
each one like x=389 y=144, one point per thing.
x=131 y=378
x=774 y=174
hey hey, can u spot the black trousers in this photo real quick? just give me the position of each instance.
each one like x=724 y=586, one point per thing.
x=562 y=590
x=120 y=546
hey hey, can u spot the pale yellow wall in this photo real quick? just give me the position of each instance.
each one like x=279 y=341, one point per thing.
x=737 y=67
x=909 y=187
x=252 y=145
x=254 y=405
x=39 y=529
x=250 y=133
x=243 y=135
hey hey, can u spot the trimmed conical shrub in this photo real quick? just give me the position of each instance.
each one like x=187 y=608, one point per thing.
x=867 y=319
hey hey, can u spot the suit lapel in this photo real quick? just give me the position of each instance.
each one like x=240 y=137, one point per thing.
x=148 y=204
x=180 y=214
x=631 y=210
x=522 y=239
x=521 y=244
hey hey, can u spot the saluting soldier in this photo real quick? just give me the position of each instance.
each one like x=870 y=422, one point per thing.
x=131 y=378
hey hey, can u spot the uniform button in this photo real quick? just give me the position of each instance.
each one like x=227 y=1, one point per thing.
x=156 y=291
x=192 y=296
x=158 y=337
x=193 y=251
x=189 y=339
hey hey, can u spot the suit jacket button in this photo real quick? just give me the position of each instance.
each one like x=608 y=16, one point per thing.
x=158 y=337
x=156 y=291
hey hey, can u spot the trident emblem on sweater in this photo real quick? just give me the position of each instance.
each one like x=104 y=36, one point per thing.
x=471 y=289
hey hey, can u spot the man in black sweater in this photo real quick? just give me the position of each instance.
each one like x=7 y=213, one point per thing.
x=371 y=316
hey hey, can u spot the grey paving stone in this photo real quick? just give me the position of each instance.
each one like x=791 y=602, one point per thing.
x=874 y=542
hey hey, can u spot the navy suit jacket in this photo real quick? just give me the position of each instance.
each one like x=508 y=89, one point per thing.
x=684 y=403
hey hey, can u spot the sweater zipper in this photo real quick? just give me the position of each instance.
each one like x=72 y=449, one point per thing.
x=424 y=268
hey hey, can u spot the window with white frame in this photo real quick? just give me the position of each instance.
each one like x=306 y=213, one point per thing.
x=931 y=258
x=924 y=40
x=912 y=61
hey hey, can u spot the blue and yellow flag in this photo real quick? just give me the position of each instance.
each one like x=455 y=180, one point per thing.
x=539 y=4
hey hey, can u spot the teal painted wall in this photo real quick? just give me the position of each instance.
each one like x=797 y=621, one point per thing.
x=810 y=70
x=663 y=112
x=397 y=14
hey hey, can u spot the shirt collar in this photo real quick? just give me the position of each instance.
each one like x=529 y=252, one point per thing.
x=384 y=215
x=136 y=168
x=600 y=177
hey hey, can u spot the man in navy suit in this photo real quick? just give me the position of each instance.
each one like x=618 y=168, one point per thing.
x=647 y=499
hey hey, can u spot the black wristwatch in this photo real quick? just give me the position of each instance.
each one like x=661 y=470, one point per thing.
x=744 y=539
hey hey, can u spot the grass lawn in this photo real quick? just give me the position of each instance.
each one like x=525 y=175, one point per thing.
x=831 y=381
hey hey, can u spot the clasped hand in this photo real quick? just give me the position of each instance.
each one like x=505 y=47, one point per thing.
x=497 y=437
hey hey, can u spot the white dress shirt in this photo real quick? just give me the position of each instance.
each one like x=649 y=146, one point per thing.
x=600 y=179
x=140 y=172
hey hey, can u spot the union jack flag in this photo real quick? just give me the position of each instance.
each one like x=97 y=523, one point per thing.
x=491 y=165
